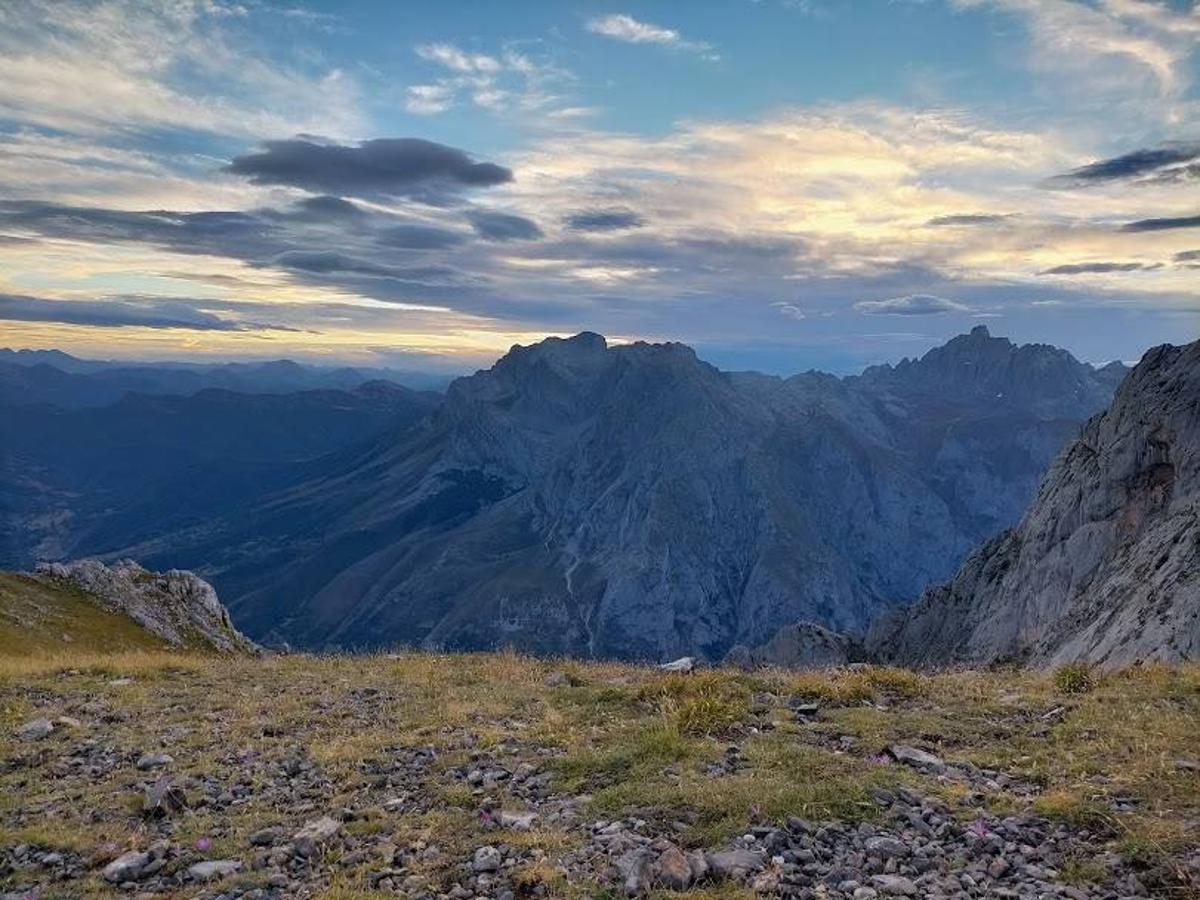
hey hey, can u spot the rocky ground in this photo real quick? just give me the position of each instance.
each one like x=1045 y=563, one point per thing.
x=167 y=775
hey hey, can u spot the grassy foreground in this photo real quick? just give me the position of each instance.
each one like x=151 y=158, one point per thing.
x=1113 y=753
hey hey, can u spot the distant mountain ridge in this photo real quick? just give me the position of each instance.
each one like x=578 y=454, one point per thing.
x=51 y=377
x=1105 y=565
x=634 y=501
x=82 y=480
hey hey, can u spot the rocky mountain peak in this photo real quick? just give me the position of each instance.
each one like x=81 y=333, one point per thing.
x=994 y=369
x=1102 y=567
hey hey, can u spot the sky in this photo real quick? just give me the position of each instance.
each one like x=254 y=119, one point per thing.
x=783 y=184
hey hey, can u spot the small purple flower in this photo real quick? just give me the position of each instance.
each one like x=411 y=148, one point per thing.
x=881 y=759
x=979 y=829
x=485 y=817
x=203 y=844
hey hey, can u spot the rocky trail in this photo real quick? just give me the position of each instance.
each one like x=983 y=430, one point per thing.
x=501 y=777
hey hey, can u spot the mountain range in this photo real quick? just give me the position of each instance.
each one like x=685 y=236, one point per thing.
x=633 y=501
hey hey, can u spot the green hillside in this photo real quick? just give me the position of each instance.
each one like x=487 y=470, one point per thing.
x=38 y=618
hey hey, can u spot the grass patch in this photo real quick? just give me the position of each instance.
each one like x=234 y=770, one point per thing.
x=1076 y=678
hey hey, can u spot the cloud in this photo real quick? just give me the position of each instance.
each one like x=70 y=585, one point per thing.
x=1187 y=255
x=1095 y=268
x=507 y=82
x=125 y=66
x=452 y=57
x=498 y=226
x=1160 y=164
x=969 y=219
x=1163 y=224
x=117 y=313
x=622 y=27
x=791 y=310
x=412 y=236
x=328 y=208
x=429 y=99
x=390 y=167
x=604 y=220
x=910 y=305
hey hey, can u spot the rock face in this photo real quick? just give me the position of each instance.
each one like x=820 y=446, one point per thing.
x=178 y=607
x=634 y=501
x=1105 y=566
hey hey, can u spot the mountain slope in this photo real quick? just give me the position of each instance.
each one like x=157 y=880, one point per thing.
x=1105 y=566
x=634 y=501
x=85 y=607
x=82 y=481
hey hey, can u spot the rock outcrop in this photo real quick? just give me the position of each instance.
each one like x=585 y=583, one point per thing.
x=1105 y=566
x=176 y=606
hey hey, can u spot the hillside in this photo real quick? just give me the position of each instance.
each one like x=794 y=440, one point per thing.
x=87 y=607
x=39 y=617
x=82 y=481
x=634 y=501
x=1105 y=565
x=361 y=778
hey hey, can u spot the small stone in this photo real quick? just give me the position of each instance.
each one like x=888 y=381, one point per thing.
x=557 y=679
x=35 y=730
x=211 y=869
x=266 y=837
x=999 y=866
x=894 y=886
x=673 y=870
x=68 y=722
x=154 y=760
x=684 y=665
x=309 y=840
x=486 y=859
x=865 y=893
x=636 y=871
x=126 y=867
x=920 y=759
x=517 y=821
x=887 y=847
x=735 y=863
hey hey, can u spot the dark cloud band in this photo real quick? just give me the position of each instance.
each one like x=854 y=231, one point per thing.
x=392 y=167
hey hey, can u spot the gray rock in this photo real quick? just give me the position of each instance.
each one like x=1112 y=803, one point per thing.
x=35 y=730
x=126 y=867
x=894 y=886
x=178 y=607
x=735 y=863
x=517 y=821
x=486 y=859
x=684 y=664
x=887 y=847
x=212 y=869
x=636 y=871
x=154 y=760
x=912 y=756
x=312 y=838
x=673 y=870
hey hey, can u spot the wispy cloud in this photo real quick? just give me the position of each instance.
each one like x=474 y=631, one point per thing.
x=122 y=66
x=508 y=81
x=623 y=27
x=911 y=305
